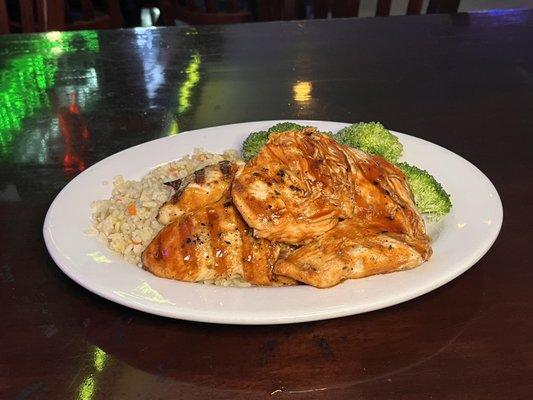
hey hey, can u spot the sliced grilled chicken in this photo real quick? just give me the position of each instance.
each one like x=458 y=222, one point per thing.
x=295 y=189
x=212 y=243
x=355 y=248
x=206 y=237
x=193 y=192
x=302 y=183
x=352 y=214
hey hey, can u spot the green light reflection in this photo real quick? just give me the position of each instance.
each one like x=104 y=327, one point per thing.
x=192 y=77
x=100 y=359
x=25 y=79
x=174 y=128
x=88 y=385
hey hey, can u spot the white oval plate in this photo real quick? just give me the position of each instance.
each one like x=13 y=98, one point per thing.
x=458 y=241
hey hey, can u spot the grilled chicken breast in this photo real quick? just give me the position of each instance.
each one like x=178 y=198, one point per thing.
x=321 y=212
x=295 y=189
x=352 y=213
x=207 y=239
x=355 y=248
x=193 y=192
x=302 y=183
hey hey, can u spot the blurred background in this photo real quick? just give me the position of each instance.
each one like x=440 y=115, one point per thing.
x=46 y=15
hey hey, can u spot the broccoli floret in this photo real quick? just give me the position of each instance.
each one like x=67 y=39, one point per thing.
x=253 y=143
x=373 y=138
x=430 y=197
x=286 y=126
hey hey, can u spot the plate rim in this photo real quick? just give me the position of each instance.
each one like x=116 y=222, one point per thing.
x=246 y=318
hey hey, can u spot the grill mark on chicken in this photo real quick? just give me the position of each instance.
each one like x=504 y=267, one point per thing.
x=174 y=184
x=218 y=246
x=247 y=256
x=178 y=186
x=225 y=168
x=176 y=196
x=251 y=250
x=199 y=176
x=188 y=251
x=204 y=254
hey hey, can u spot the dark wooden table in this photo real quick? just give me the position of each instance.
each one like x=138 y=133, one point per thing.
x=69 y=100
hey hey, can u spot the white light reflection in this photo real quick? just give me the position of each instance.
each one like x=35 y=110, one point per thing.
x=145 y=292
x=149 y=55
x=54 y=36
x=99 y=258
x=86 y=91
x=56 y=50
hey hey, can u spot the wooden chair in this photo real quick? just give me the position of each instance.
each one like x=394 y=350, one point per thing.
x=350 y=8
x=337 y=8
x=275 y=10
x=26 y=23
x=58 y=16
x=49 y=15
x=4 y=18
x=207 y=14
x=415 y=7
